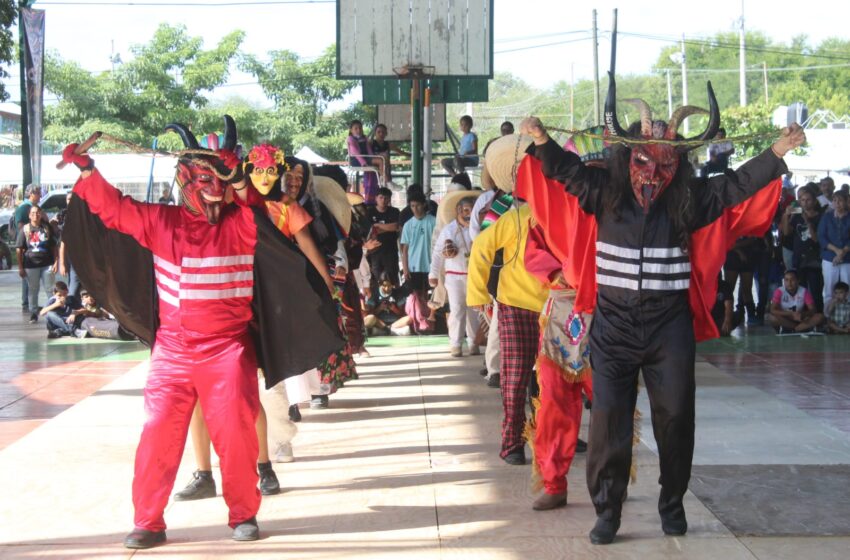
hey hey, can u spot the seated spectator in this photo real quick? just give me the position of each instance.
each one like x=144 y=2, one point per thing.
x=98 y=322
x=360 y=155
x=383 y=148
x=723 y=312
x=467 y=154
x=385 y=310
x=792 y=309
x=838 y=310
x=59 y=312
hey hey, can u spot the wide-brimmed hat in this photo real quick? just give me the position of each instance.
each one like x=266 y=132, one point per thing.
x=335 y=200
x=503 y=158
x=354 y=199
x=447 y=210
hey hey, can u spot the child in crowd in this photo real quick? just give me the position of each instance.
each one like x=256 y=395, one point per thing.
x=416 y=261
x=838 y=310
x=467 y=154
x=59 y=312
x=360 y=155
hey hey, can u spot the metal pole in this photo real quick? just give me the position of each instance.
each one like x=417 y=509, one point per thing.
x=426 y=142
x=26 y=155
x=764 y=70
x=684 y=81
x=596 y=109
x=416 y=131
x=669 y=95
x=149 y=198
x=742 y=71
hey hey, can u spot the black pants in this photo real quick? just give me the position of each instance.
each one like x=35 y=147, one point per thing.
x=381 y=263
x=664 y=349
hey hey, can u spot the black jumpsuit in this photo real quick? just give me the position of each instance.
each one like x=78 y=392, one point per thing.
x=643 y=322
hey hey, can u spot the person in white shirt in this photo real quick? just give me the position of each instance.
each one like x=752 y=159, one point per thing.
x=452 y=250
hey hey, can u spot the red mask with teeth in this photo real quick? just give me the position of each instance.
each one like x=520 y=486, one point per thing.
x=651 y=169
x=201 y=191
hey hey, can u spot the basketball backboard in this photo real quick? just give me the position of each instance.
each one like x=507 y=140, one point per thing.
x=397 y=120
x=382 y=38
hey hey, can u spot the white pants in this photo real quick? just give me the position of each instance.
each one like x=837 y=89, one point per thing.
x=301 y=388
x=281 y=429
x=461 y=318
x=831 y=275
x=492 y=353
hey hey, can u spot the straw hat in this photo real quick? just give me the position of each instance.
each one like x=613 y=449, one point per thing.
x=503 y=158
x=447 y=210
x=354 y=199
x=335 y=200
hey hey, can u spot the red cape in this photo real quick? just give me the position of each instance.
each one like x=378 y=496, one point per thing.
x=571 y=235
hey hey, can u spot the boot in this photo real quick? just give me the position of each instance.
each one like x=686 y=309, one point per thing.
x=604 y=531
x=142 y=538
x=674 y=522
x=269 y=486
x=294 y=413
x=201 y=486
x=549 y=501
x=247 y=530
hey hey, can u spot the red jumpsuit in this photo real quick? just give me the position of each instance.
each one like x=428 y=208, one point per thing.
x=204 y=280
x=558 y=416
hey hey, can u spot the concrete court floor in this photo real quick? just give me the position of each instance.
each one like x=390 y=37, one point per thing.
x=404 y=463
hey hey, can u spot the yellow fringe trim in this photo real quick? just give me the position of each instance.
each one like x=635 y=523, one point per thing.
x=528 y=432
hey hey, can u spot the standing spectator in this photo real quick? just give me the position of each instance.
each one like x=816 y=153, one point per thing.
x=37 y=251
x=406 y=213
x=452 y=250
x=801 y=222
x=827 y=189
x=32 y=195
x=740 y=263
x=722 y=312
x=385 y=227
x=167 y=197
x=359 y=152
x=59 y=312
x=467 y=154
x=416 y=261
x=792 y=309
x=838 y=310
x=834 y=241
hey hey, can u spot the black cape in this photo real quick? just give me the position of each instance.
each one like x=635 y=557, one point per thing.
x=296 y=322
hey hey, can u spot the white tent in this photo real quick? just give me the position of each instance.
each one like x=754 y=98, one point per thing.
x=827 y=153
x=310 y=156
x=118 y=169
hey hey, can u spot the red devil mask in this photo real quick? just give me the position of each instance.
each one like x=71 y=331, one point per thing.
x=653 y=166
x=202 y=174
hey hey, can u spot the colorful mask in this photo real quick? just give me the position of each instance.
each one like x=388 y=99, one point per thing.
x=264 y=166
x=203 y=174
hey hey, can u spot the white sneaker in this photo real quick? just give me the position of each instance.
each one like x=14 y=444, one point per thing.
x=81 y=333
x=283 y=453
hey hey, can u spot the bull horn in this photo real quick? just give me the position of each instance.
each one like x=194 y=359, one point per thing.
x=611 y=122
x=679 y=116
x=645 y=116
x=186 y=135
x=229 y=133
x=713 y=117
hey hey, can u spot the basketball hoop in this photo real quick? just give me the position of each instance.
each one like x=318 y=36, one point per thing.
x=414 y=72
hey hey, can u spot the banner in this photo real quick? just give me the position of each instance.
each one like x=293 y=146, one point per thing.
x=33 y=21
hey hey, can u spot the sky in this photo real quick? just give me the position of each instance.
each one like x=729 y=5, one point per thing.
x=87 y=31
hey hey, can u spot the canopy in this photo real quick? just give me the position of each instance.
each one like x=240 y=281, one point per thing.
x=116 y=168
x=310 y=156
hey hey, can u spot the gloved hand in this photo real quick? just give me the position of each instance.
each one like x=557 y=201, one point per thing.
x=82 y=161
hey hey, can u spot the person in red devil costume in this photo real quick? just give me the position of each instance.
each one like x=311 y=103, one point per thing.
x=208 y=261
x=649 y=208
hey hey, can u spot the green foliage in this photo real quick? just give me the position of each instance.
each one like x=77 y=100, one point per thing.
x=752 y=119
x=8 y=16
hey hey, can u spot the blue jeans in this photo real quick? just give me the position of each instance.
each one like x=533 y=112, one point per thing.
x=39 y=277
x=25 y=290
x=56 y=322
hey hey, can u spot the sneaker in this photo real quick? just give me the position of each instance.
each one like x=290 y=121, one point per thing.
x=515 y=457
x=81 y=333
x=283 y=453
x=294 y=413
x=25 y=309
x=319 y=401
x=247 y=530
x=200 y=487
x=549 y=501
x=33 y=319
x=54 y=334
x=269 y=485
x=493 y=381
x=475 y=351
x=483 y=372
x=142 y=538
x=456 y=352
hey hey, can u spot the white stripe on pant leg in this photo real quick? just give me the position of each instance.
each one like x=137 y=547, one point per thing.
x=492 y=353
x=456 y=290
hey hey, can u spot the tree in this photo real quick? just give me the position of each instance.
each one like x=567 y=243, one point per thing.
x=164 y=82
x=8 y=16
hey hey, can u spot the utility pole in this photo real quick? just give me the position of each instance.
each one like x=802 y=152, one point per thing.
x=764 y=71
x=669 y=95
x=684 y=81
x=596 y=109
x=742 y=71
x=572 y=96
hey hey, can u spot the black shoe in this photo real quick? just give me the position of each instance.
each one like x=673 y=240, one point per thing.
x=269 y=486
x=493 y=381
x=483 y=372
x=247 y=530
x=294 y=413
x=604 y=531
x=141 y=538
x=319 y=401
x=675 y=524
x=201 y=486
x=515 y=457
x=581 y=446
x=54 y=334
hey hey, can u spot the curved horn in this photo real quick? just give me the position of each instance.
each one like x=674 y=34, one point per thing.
x=186 y=135
x=645 y=116
x=679 y=116
x=713 y=117
x=611 y=122
x=229 y=133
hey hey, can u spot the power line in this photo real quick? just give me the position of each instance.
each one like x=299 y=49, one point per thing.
x=543 y=36
x=542 y=46
x=189 y=4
